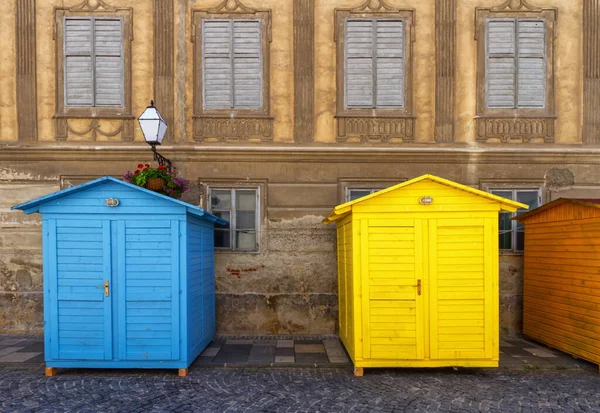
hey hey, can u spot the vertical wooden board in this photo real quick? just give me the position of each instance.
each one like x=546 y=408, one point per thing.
x=122 y=291
x=51 y=251
x=364 y=282
x=419 y=302
x=357 y=289
x=433 y=290
x=491 y=323
x=107 y=267
x=341 y=283
x=176 y=338
x=426 y=305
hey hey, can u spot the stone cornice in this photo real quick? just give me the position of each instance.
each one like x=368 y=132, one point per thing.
x=447 y=154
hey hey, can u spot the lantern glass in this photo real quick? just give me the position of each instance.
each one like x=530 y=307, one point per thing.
x=153 y=125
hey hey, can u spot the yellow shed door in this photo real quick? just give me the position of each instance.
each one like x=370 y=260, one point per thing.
x=461 y=311
x=393 y=321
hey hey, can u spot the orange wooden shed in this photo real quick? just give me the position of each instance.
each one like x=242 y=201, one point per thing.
x=561 y=287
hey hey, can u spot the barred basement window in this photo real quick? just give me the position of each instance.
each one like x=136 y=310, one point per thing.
x=239 y=206
x=355 y=193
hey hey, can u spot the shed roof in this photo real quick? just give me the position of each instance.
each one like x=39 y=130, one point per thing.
x=32 y=206
x=342 y=210
x=570 y=208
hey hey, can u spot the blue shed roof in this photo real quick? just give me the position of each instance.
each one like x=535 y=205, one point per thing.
x=32 y=206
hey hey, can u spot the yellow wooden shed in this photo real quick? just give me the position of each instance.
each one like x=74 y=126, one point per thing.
x=561 y=276
x=418 y=275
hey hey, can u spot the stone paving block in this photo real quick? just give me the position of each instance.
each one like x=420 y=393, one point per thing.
x=285 y=343
x=210 y=352
x=264 y=355
x=11 y=341
x=311 y=358
x=33 y=348
x=233 y=353
x=310 y=348
x=272 y=343
x=284 y=359
x=309 y=342
x=284 y=351
x=18 y=357
x=8 y=350
x=540 y=352
x=234 y=341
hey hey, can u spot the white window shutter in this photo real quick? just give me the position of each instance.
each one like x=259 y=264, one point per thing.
x=217 y=71
x=359 y=63
x=247 y=64
x=531 y=64
x=390 y=64
x=501 y=70
x=108 y=44
x=78 y=62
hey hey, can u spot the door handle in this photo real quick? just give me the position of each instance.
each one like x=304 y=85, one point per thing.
x=105 y=286
x=418 y=287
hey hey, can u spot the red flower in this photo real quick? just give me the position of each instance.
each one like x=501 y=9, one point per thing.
x=147 y=166
x=161 y=167
x=137 y=171
x=140 y=166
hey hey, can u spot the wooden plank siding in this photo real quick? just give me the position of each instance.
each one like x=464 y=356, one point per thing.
x=561 y=287
x=346 y=285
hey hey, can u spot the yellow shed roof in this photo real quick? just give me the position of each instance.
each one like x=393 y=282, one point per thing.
x=342 y=210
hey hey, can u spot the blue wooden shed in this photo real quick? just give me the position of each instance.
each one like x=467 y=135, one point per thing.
x=128 y=277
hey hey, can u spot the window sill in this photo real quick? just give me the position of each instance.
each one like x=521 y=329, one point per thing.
x=93 y=113
x=233 y=127
x=511 y=253
x=375 y=127
x=511 y=128
x=225 y=251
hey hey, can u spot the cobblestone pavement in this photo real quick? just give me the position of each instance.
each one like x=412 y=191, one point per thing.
x=210 y=389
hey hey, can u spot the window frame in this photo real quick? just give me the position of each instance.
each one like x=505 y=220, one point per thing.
x=386 y=12
x=349 y=189
x=514 y=223
x=232 y=215
x=107 y=112
x=264 y=16
x=525 y=12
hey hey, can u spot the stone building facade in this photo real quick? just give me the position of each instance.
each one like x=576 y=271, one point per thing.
x=309 y=143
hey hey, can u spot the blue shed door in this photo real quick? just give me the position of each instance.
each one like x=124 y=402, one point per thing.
x=149 y=302
x=79 y=257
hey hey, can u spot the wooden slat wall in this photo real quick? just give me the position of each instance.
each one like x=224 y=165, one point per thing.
x=346 y=285
x=561 y=289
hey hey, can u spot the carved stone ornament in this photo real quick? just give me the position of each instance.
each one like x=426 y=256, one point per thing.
x=63 y=130
x=92 y=5
x=374 y=6
x=508 y=130
x=515 y=5
x=223 y=130
x=376 y=130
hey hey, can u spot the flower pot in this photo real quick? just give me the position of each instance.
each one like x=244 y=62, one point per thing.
x=155 y=184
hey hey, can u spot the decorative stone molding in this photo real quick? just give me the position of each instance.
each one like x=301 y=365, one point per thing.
x=515 y=125
x=231 y=125
x=25 y=31
x=164 y=67
x=376 y=129
x=96 y=8
x=510 y=130
x=94 y=129
x=304 y=79
x=445 y=69
x=591 y=71
x=250 y=129
x=375 y=125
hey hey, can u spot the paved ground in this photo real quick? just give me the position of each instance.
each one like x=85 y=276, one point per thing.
x=533 y=379
x=300 y=390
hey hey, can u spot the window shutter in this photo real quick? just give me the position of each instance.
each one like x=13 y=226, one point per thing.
x=500 y=72
x=359 y=63
x=78 y=77
x=390 y=64
x=531 y=64
x=247 y=64
x=108 y=44
x=217 y=76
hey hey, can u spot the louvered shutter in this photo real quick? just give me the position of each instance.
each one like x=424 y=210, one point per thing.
x=247 y=64
x=108 y=45
x=500 y=72
x=390 y=64
x=531 y=64
x=359 y=63
x=78 y=62
x=217 y=76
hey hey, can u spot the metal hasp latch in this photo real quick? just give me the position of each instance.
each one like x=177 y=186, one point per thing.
x=105 y=286
x=418 y=287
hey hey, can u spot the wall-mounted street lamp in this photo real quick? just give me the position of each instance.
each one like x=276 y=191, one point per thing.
x=154 y=127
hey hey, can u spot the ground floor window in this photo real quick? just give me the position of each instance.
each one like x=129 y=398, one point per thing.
x=512 y=232
x=355 y=193
x=239 y=206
